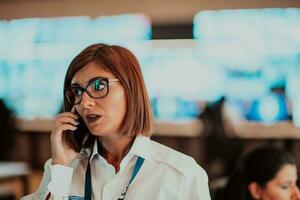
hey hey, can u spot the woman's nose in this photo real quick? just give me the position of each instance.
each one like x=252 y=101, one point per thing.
x=86 y=100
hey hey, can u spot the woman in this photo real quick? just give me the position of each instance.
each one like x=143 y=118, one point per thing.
x=105 y=91
x=267 y=173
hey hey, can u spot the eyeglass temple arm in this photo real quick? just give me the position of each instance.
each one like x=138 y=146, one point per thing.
x=113 y=80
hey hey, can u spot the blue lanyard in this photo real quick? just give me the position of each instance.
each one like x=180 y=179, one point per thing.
x=88 y=179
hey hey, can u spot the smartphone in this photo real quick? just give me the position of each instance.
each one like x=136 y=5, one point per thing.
x=76 y=137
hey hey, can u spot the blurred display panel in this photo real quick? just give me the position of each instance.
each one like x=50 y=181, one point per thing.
x=242 y=55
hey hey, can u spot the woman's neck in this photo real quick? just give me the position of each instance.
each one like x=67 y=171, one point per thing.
x=114 y=149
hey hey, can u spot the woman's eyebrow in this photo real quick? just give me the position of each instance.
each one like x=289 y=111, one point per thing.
x=75 y=84
x=95 y=78
x=91 y=80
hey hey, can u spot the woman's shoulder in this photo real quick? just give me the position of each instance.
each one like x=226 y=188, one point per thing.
x=181 y=162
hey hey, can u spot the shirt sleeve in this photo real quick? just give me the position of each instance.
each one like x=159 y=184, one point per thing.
x=61 y=178
x=52 y=176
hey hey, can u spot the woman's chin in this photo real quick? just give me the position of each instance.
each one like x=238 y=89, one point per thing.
x=97 y=132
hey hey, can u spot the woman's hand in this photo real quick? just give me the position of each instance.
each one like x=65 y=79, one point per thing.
x=61 y=149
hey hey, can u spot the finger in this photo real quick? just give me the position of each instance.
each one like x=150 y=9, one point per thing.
x=65 y=127
x=61 y=129
x=68 y=114
x=67 y=120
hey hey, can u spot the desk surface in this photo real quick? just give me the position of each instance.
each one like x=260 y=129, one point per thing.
x=13 y=169
x=191 y=128
x=281 y=130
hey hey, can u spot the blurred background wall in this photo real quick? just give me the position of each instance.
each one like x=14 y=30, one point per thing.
x=160 y=12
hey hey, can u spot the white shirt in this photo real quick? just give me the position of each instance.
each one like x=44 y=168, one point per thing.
x=166 y=174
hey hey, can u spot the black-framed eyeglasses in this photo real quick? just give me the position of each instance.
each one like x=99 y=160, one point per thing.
x=97 y=88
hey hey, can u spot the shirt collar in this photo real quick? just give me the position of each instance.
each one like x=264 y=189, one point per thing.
x=140 y=147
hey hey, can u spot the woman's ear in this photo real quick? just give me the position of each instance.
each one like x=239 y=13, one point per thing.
x=255 y=190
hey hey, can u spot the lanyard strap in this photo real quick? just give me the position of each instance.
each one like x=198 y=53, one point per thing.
x=88 y=183
x=88 y=179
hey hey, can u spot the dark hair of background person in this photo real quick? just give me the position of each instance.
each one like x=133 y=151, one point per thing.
x=125 y=66
x=7 y=131
x=218 y=146
x=260 y=165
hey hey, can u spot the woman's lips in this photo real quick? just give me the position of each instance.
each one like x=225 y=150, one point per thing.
x=91 y=118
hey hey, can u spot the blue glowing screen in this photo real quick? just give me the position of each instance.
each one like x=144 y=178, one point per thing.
x=238 y=54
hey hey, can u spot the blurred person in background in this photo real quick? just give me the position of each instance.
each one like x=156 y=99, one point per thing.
x=101 y=146
x=266 y=173
x=221 y=149
x=7 y=132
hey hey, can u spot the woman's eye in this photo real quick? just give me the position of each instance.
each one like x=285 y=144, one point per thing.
x=98 y=85
x=285 y=186
x=77 y=91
